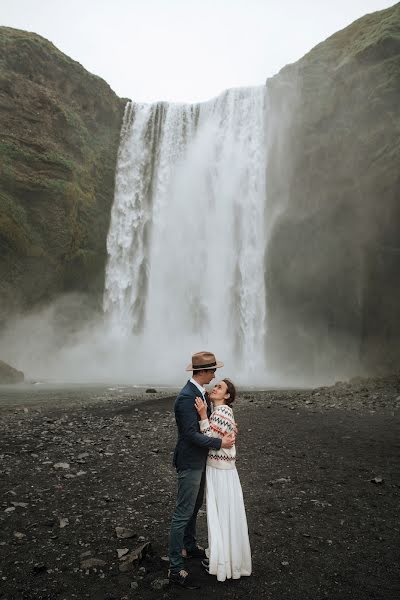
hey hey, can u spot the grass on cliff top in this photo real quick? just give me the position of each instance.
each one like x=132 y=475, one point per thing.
x=375 y=32
x=12 y=40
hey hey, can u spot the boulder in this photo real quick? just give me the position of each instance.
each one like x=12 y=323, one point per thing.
x=10 y=375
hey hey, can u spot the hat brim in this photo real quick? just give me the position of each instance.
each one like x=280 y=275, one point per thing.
x=218 y=365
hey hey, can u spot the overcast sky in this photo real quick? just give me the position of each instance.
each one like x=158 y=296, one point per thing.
x=184 y=50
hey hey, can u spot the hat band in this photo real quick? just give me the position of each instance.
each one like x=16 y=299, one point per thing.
x=208 y=366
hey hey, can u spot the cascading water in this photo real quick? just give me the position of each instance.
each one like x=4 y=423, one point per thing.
x=188 y=234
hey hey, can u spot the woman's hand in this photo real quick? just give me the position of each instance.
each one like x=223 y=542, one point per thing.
x=201 y=407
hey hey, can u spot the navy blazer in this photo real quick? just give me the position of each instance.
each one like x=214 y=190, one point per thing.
x=192 y=446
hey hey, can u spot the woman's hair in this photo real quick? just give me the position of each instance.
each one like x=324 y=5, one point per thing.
x=231 y=391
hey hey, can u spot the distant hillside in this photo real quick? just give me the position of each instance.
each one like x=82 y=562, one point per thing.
x=59 y=135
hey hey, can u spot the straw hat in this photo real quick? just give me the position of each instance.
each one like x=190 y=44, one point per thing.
x=204 y=360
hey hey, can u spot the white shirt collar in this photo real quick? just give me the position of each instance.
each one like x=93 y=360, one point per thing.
x=199 y=387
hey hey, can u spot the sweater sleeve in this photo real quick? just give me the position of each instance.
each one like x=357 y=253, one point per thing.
x=205 y=427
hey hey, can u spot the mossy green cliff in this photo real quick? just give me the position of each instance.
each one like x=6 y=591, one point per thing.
x=59 y=135
x=333 y=260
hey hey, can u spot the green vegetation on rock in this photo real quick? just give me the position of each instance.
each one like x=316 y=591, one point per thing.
x=59 y=136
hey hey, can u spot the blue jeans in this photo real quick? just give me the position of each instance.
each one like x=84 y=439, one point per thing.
x=183 y=526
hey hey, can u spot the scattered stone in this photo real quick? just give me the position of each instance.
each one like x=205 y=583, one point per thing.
x=19 y=535
x=83 y=455
x=377 y=480
x=64 y=522
x=280 y=480
x=122 y=551
x=134 y=585
x=123 y=533
x=21 y=504
x=89 y=563
x=135 y=556
x=160 y=584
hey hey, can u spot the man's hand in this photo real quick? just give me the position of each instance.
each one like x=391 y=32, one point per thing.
x=201 y=407
x=228 y=440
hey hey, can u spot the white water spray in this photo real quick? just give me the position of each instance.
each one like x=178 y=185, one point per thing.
x=188 y=235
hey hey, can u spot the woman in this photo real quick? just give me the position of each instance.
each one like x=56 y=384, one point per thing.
x=229 y=548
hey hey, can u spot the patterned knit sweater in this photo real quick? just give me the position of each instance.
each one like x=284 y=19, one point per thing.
x=220 y=422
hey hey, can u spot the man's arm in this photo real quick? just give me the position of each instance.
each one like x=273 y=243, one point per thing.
x=187 y=419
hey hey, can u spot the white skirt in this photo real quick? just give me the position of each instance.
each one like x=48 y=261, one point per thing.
x=228 y=536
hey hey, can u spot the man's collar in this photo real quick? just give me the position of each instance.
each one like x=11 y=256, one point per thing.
x=199 y=387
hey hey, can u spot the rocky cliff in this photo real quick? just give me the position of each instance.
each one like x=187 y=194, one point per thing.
x=333 y=255
x=333 y=260
x=59 y=135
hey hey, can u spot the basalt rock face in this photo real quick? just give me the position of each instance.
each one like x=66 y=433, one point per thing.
x=9 y=375
x=59 y=136
x=333 y=258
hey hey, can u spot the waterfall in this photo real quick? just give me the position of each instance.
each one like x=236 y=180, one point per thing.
x=187 y=236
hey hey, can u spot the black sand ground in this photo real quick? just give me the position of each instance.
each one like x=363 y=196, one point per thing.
x=320 y=474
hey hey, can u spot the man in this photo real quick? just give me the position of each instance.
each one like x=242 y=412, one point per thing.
x=190 y=458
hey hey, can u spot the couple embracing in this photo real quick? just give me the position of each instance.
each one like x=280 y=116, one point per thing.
x=205 y=458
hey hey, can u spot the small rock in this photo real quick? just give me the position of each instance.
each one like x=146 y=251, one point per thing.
x=63 y=523
x=160 y=584
x=151 y=391
x=123 y=533
x=134 y=585
x=9 y=509
x=280 y=480
x=92 y=562
x=10 y=375
x=122 y=551
x=19 y=535
x=134 y=556
x=377 y=480
x=61 y=465
x=21 y=504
